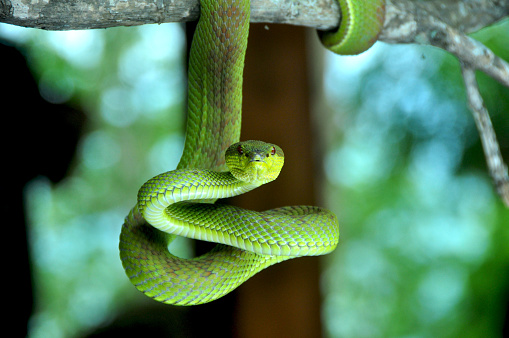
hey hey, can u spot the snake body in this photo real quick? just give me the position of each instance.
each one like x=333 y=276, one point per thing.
x=361 y=23
x=215 y=165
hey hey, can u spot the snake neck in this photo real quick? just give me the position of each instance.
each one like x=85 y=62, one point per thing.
x=216 y=66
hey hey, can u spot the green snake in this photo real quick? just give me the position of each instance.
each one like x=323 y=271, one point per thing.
x=214 y=165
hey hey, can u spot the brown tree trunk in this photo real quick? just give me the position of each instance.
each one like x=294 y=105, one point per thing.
x=283 y=300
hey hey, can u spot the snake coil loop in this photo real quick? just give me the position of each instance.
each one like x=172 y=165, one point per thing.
x=361 y=23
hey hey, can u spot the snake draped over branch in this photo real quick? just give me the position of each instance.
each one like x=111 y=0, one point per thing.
x=214 y=165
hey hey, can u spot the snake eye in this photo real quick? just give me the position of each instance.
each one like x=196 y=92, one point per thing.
x=273 y=151
x=240 y=150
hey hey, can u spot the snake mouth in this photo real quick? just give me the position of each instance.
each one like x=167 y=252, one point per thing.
x=258 y=164
x=256 y=157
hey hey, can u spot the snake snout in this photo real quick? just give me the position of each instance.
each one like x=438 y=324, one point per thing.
x=256 y=157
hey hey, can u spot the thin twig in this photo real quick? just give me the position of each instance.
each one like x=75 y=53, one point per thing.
x=473 y=55
x=494 y=160
x=469 y=51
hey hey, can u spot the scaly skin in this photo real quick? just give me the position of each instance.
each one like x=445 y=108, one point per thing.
x=249 y=241
x=216 y=65
x=361 y=22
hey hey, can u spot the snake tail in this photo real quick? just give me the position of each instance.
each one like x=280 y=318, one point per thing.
x=361 y=23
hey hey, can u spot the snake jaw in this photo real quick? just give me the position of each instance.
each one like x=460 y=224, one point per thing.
x=257 y=171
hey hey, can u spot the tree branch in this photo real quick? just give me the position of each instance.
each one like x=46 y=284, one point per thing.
x=401 y=19
x=406 y=21
x=415 y=23
x=79 y=14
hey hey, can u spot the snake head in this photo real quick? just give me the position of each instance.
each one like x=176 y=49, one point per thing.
x=254 y=162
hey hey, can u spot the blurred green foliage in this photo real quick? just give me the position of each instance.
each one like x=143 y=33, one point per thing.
x=424 y=236
x=130 y=82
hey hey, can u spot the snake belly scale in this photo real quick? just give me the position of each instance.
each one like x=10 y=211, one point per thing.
x=214 y=164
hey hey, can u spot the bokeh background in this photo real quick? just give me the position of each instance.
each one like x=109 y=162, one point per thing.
x=424 y=249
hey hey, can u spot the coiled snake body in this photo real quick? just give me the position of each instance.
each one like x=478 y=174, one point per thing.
x=215 y=165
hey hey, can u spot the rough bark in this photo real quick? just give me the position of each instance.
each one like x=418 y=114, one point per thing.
x=401 y=21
